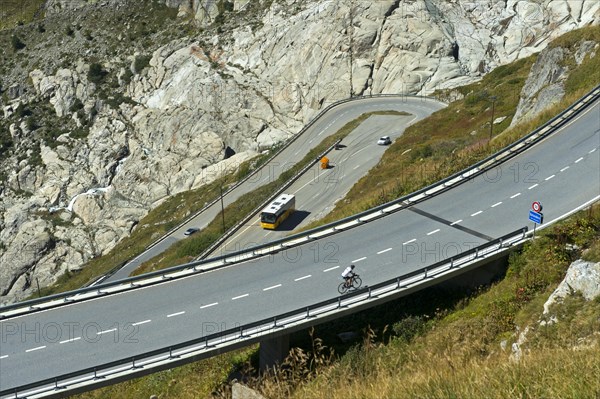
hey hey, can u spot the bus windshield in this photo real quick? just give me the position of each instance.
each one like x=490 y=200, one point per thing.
x=268 y=217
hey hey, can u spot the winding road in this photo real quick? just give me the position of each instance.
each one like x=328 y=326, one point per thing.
x=562 y=171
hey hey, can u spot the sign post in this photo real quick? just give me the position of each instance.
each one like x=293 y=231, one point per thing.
x=536 y=215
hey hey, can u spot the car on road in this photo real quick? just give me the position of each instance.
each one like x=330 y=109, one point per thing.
x=190 y=231
x=384 y=140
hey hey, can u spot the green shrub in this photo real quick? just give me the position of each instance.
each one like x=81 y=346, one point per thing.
x=140 y=63
x=17 y=44
x=76 y=106
x=96 y=74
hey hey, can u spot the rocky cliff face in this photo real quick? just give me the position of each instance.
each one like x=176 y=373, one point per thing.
x=137 y=122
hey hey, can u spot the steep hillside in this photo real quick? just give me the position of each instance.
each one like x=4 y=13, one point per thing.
x=431 y=343
x=111 y=107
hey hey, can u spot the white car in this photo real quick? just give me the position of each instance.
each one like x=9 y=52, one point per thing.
x=385 y=140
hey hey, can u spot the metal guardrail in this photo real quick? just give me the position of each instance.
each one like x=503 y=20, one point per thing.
x=301 y=238
x=252 y=332
x=254 y=172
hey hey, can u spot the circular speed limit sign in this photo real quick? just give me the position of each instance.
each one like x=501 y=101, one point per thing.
x=537 y=206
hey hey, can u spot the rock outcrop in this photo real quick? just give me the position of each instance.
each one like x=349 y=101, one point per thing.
x=582 y=278
x=169 y=120
x=545 y=84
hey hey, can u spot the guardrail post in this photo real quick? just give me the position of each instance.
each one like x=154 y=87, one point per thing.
x=476 y=252
x=274 y=321
x=451 y=263
x=307 y=312
x=501 y=241
x=369 y=293
x=425 y=274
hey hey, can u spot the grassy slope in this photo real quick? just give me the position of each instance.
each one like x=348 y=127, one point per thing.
x=13 y=12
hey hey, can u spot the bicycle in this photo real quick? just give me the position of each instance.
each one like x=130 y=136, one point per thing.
x=355 y=283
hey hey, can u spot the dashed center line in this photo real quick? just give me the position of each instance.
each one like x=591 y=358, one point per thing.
x=272 y=287
x=579 y=160
x=433 y=232
x=330 y=269
x=476 y=213
x=106 y=331
x=549 y=177
x=532 y=187
x=239 y=297
x=35 y=349
x=175 y=314
x=515 y=196
x=408 y=242
x=70 y=340
x=302 y=278
x=457 y=222
x=209 y=305
x=359 y=259
x=3 y=357
x=384 y=251
x=496 y=204
x=139 y=323
x=592 y=151
x=565 y=168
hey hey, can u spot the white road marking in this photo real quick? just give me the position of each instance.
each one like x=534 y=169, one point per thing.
x=302 y=278
x=433 y=232
x=330 y=269
x=565 y=168
x=592 y=151
x=239 y=297
x=476 y=213
x=106 y=331
x=496 y=204
x=515 y=196
x=359 y=259
x=457 y=222
x=550 y=177
x=3 y=357
x=209 y=305
x=384 y=251
x=272 y=287
x=70 y=340
x=175 y=314
x=35 y=349
x=356 y=167
x=139 y=323
x=532 y=187
x=408 y=242
x=579 y=160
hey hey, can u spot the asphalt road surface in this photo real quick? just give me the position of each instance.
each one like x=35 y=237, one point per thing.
x=562 y=171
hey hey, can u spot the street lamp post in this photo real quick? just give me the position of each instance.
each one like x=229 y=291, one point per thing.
x=493 y=100
x=222 y=209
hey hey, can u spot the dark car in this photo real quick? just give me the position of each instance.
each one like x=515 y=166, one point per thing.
x=191 y=231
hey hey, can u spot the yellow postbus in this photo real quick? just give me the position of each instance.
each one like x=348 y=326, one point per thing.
x=277 y=211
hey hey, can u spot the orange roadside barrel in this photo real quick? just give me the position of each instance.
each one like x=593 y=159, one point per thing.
x=324 y=163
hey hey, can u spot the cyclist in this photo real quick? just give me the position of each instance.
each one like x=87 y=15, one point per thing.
x=347 y=275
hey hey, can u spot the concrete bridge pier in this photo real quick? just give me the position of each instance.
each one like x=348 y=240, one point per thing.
x=272 y=351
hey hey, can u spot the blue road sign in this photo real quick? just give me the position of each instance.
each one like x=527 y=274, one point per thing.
x=536 y=217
